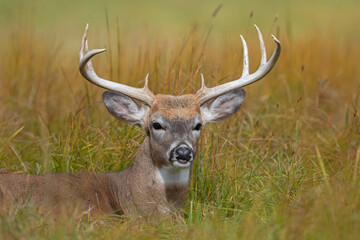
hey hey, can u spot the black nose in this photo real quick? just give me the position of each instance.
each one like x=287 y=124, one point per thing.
x=183 y=153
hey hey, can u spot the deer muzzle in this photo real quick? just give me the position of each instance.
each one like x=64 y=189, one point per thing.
x=182 y=154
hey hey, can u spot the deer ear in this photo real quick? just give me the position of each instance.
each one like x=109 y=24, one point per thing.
x=124 y=108
x=223 y=106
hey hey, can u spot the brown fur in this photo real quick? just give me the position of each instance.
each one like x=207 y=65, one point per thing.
x=171 y=107
x=135 y=191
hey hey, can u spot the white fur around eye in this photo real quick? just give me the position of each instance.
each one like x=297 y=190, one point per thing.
x=158 y=120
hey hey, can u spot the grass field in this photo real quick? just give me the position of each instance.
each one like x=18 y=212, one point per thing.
x=285 y=167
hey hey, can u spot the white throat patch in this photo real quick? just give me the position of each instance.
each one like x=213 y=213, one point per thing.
x=173 y=176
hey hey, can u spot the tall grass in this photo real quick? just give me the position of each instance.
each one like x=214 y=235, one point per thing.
x=285 y=167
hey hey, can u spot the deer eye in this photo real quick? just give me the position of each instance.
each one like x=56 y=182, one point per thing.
x=157 y=126
x=197 y=127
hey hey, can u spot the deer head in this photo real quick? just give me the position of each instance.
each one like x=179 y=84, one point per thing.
x=173 y=123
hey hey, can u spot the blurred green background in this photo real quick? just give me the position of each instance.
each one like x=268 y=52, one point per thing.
x=65 y=20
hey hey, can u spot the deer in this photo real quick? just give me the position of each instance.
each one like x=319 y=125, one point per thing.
x=158 y=181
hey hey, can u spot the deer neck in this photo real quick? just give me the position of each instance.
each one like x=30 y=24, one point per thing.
x=165 y=175
x=174 y=176
x=167 y=182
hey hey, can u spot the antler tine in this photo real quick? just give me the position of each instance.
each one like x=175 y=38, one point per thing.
x=83 y=39
x=202 y=81
x=205 y=94
x=262 y=46
x=88 y=72
x=246 y=58
x=146 y=84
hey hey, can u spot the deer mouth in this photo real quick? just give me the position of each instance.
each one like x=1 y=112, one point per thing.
x=181 y=164
x=182 y=161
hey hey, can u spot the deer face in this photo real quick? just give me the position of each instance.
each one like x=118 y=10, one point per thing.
x=173 y=123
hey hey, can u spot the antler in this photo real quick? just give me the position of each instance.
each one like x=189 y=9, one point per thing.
x=205 y=94
x=88 y=72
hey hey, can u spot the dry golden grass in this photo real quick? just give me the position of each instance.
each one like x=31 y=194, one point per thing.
x=285 y=167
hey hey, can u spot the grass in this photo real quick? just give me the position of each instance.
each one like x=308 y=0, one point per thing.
x=285 y=167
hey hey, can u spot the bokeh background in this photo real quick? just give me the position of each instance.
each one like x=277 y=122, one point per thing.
x=65 y=20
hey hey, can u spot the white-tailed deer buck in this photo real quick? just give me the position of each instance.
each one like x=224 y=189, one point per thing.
x=158 y=180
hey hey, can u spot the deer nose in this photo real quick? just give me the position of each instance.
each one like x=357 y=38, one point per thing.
x=183 y=153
